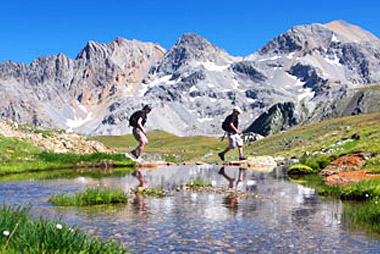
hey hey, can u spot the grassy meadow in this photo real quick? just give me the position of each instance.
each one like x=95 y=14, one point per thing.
x=17 y=156
x=317 y=137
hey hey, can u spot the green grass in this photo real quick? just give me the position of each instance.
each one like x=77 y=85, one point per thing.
x=374 y=87
x=365 y=215
x=22 y=234
x=317 y=137
x=68 y=174
x=171 y=147
x=198 y=183
x=92 y=196
x=17 y=156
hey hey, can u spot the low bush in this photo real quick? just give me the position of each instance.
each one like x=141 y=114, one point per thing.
x=299 y=169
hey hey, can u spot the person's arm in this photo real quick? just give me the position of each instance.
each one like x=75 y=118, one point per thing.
x=234 y=128
x=139 y=124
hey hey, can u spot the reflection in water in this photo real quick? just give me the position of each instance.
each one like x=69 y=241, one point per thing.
x=291 y=219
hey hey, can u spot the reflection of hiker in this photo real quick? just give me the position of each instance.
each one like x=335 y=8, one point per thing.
x=143 y=183
x=230 y=125
x=231 y=201
x=239 y=182
x=137 y=121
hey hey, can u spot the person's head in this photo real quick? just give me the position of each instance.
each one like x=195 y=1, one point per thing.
x=147 y=108
x=237 y=110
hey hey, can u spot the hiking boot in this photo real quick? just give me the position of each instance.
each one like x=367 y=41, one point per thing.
x=242 y=158
x=221 y=156
x=134 y=153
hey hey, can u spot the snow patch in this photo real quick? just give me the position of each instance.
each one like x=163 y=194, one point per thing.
x=155 y=82
x=210 y=66
x=76 y=122
x=290 y=56
x=235 y=83
x=193 y=89
x=250 y=100
x=334 y=61
x=334 y=38
x=210 y=85
x=205 y=119
x=305 y=93
x=270 y=58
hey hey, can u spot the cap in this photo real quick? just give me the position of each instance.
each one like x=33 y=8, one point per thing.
x=237 y=109
x=147 y=106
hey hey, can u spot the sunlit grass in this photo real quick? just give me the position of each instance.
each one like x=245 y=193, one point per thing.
x=91 y=196
x=17 y=156
x=19 y=233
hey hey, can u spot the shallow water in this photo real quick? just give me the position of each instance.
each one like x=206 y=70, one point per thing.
x=287 y=217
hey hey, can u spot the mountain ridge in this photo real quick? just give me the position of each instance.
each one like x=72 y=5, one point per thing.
x=194 y=84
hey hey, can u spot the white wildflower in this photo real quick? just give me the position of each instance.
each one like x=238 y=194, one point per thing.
x=366 y=195
x=6 y=233
x=376 y=202
x=59 y=226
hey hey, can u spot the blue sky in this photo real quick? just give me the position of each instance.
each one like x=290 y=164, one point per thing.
x=30 y=29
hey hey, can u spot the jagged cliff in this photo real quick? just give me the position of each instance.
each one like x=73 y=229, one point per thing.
x=320 y=69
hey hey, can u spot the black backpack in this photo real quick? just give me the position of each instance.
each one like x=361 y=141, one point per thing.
x=226 y=125
x=133 y=119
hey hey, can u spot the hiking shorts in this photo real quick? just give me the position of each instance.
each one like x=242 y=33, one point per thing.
x=139 y=135
x=234 y=140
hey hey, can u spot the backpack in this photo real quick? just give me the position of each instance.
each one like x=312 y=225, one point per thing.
x=133 y=119
x=226 y=124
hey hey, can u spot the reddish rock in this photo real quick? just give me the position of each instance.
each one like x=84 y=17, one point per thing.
x=347 y=163
x=349 y=177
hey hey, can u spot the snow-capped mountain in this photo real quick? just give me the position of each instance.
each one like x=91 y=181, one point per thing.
x=310 y=73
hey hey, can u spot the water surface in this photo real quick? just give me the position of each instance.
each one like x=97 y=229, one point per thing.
x=287 y=217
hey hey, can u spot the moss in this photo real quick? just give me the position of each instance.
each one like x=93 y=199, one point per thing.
x=300 y=169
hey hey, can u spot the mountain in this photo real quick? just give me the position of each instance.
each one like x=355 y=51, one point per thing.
x=75 y=94
x=309 y=73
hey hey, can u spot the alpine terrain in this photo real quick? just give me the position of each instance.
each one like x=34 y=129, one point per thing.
x=310 y=73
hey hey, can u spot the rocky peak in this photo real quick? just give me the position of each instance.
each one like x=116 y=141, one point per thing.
x=351 y=32
x=190 y=48
x=93 y=52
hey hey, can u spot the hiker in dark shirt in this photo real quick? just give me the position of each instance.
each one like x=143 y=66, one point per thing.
x=230 y=125
x=137 y=121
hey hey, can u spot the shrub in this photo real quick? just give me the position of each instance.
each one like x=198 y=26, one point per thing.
x=299 y=169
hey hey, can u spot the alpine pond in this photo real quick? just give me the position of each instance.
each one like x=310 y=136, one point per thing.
x=281 y=217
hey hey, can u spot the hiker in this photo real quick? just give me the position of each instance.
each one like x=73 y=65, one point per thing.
x=230 y=125
x=137 y=121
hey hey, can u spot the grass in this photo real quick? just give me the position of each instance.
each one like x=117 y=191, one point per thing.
x=92 y=196
x=68 y=174
x=17 y=156
x=22 y=234
x=363 y=215
x=97 y=196
x=374 y=87
x=198 y=183
x=171 y=147
x=317 y=137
